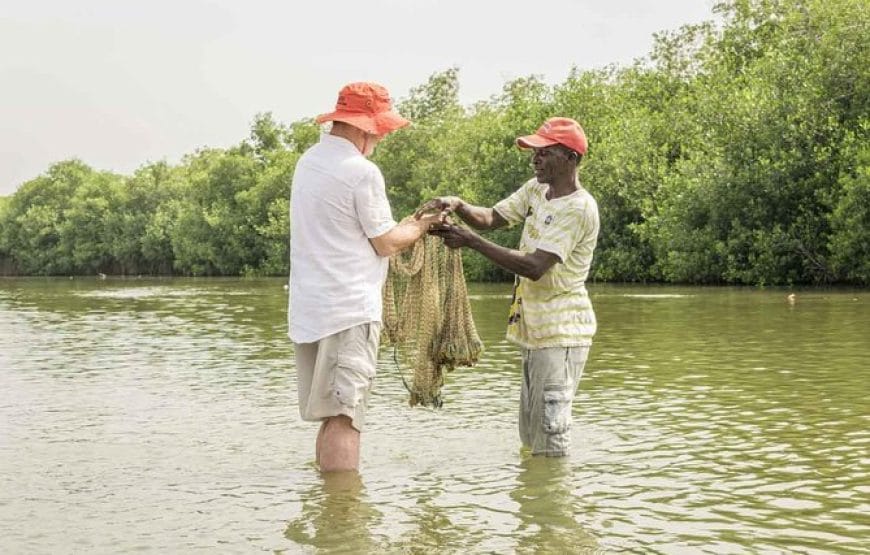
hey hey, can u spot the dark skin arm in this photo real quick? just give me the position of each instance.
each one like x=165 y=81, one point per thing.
x=478 y=217
x=529 y=265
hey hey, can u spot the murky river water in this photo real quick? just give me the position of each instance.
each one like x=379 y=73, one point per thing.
x=161 y=415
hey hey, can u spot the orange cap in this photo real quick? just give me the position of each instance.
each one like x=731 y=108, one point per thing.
x=563 y=131
x=366 y=106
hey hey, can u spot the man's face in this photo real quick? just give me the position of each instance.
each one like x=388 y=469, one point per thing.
x=551 y=161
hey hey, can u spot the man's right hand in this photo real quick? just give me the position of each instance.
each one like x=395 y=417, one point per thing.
x=432 y=221
x=442 y=205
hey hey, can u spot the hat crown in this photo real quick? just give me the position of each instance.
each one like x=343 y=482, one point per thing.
x=366 y=106
x=364 y=97
x=565 y=131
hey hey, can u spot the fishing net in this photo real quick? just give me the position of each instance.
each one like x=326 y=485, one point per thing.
x=427 y=317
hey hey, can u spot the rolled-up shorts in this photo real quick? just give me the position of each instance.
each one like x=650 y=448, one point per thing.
x=335 y=374
x=550 y=378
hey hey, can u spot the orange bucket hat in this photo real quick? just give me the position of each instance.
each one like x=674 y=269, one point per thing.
x=563 y=131
x=366 y=106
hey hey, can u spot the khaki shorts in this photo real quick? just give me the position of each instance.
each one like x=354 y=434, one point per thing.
x=550 y=378
x=335 y=374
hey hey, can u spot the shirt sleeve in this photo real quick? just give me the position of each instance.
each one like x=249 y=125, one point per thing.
x=515 y=208
x=567 y=228
x=372 y=206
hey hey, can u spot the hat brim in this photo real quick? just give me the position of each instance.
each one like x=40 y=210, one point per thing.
x=535 y=141
x=375 y=124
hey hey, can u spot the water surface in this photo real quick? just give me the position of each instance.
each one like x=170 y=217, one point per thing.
x=161 y=415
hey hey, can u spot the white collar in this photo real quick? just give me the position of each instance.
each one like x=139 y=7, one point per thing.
x=339 y=142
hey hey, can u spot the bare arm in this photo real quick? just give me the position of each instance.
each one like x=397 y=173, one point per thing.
x=478 y=217
x=529 y=265
x=403 y=235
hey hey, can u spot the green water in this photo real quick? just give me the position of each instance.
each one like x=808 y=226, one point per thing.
x=160 y=415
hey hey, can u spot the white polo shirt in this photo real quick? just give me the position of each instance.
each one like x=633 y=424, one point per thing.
x=338 y=201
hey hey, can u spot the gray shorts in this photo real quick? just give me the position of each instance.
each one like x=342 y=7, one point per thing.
x=550 y=378
x=335 y=374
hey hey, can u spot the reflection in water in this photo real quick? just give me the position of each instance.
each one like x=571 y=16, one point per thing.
x=336 y=516
x=548 y=509
x=435 y=525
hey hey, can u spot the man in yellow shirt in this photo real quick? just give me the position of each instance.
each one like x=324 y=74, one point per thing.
x=551 y=317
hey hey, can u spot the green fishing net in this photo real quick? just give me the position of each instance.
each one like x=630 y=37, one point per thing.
x=427 y=317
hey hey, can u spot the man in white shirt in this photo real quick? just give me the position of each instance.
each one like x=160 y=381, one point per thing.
x=341 y=235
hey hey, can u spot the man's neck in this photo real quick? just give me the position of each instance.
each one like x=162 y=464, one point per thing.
x=563 y=187
x=355 y=136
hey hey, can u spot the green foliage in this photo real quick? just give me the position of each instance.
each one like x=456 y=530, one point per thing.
x=35 y=219
x=267 y=135
x=85 y=240
x=750 y=196
x=736 y=153
x=218 y=213
x=850 y=220
x=409 y=158
x=4 y=203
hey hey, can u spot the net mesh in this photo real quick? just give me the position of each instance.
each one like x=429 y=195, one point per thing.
x=427 y=317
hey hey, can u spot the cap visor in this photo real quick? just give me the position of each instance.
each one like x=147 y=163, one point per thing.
x=534 y=141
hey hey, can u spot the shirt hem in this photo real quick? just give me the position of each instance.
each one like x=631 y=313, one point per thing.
x=331 y=331
x=583 y=342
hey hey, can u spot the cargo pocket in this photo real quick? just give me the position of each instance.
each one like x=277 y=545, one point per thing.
x=557 y=408
x=351 y=380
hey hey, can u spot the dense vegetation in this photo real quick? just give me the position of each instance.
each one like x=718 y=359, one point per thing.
x=737 y=153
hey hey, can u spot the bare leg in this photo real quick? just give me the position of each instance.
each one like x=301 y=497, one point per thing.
x=319 y=442
x=339 y=445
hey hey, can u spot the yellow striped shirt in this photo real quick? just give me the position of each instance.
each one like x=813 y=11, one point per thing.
x=554 y=311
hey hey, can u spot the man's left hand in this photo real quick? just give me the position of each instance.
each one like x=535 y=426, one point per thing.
x=454 y=236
